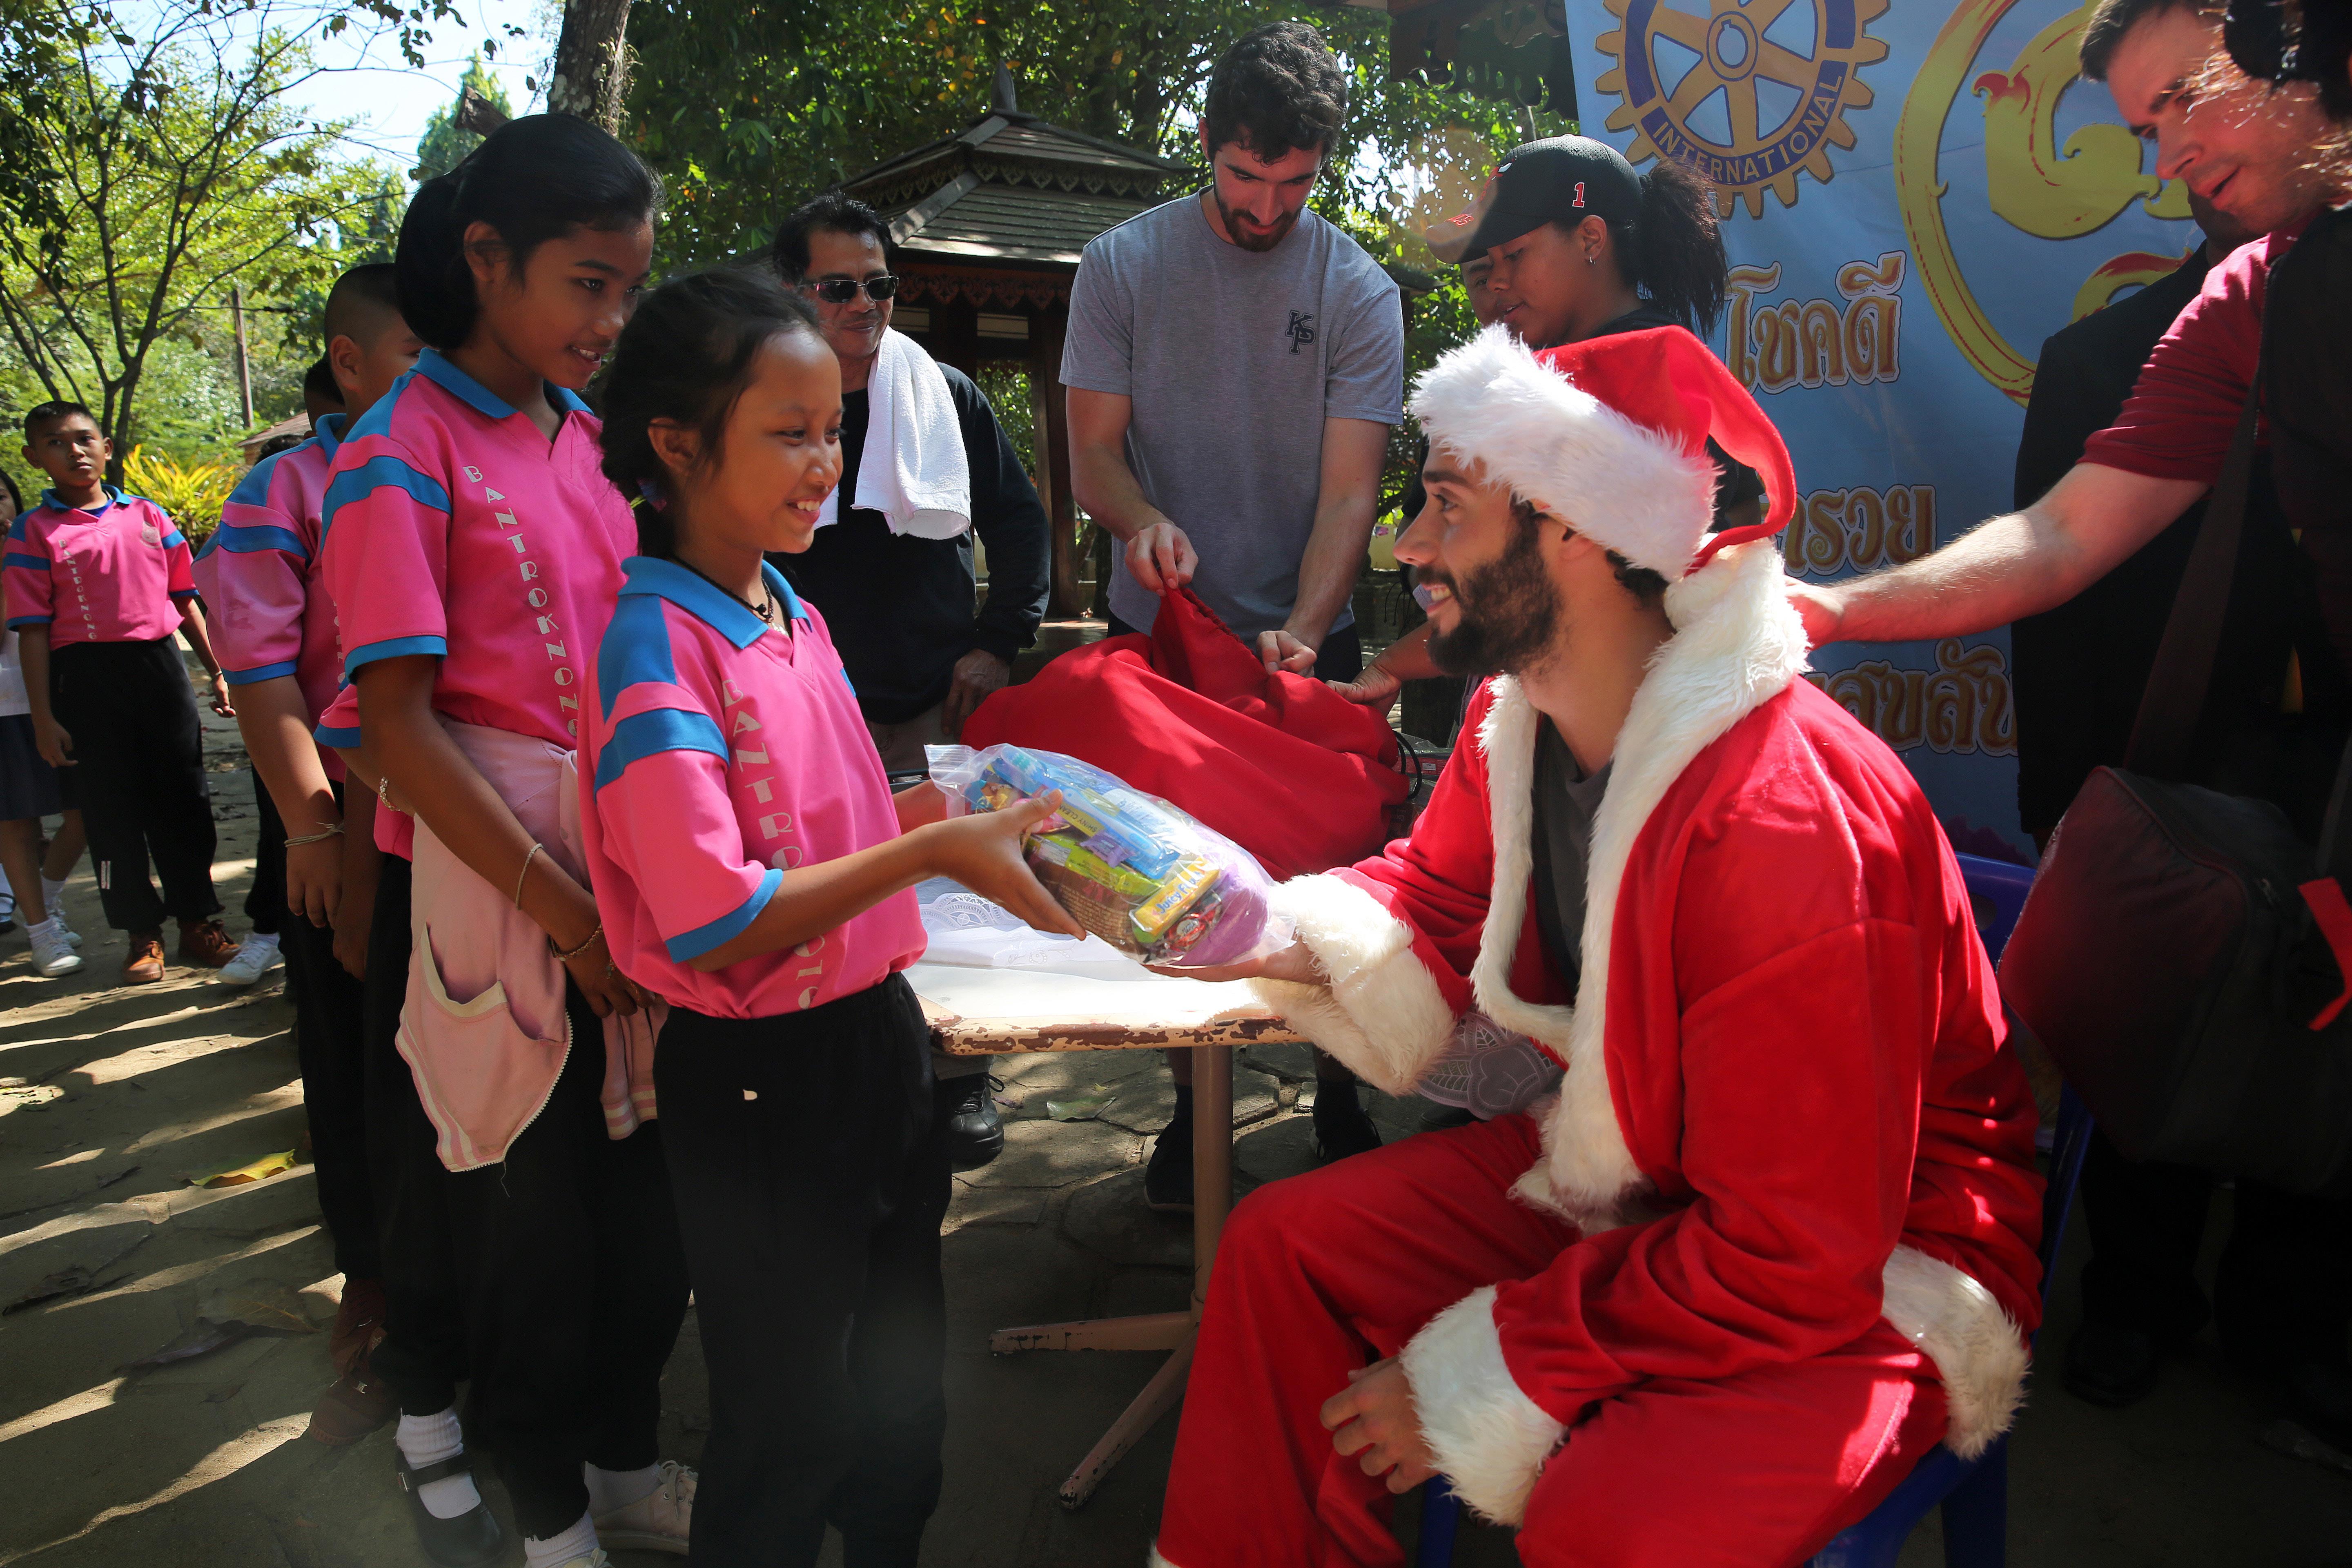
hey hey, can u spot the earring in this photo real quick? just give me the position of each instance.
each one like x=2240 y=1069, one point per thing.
x=1591 y=259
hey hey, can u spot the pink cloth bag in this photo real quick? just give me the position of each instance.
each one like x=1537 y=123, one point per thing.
x=484 y=1028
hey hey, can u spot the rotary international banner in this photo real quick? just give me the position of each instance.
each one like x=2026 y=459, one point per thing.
x=1918 y=195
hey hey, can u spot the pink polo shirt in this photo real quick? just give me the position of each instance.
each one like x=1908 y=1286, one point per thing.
x=718 y=753
x=260 y=574
x=117 y=573
x=452 y=527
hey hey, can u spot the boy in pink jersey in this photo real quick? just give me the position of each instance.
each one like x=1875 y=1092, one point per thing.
x=98 y=581
x=275 y=625
x=754 y=872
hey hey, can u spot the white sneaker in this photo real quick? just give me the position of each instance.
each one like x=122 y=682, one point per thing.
x=51 y=956
x=256 y=955
x=659 y=1521
x=54 y=898
x=72 y=937
x=596 y=1559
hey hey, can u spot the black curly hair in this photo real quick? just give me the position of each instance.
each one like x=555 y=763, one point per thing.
x=1274 y=90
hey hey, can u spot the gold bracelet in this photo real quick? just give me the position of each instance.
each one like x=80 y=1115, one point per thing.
x=564 y=957
x=523 y=875
x=333 y=830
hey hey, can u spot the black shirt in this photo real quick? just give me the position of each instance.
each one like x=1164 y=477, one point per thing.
x=899 y=608
x=2077 y=671
x=1565 y=802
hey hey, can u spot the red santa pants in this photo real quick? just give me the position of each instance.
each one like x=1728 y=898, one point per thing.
x=1327 y=1272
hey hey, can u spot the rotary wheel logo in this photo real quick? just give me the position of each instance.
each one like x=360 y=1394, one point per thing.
x=1746 y=94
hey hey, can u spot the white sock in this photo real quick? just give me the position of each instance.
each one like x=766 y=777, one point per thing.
x=427 y=1440
x=46 y=927
x=556 y=1551
x=53 y=893
x=609 y=1490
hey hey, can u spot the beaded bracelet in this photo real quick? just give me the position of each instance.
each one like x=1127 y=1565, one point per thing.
x=333 y=830
x=564 y=957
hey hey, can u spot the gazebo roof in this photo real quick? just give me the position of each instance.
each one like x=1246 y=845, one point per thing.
x=1011 y=188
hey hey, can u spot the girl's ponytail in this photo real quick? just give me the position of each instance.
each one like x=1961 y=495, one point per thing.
x=530 y=180
x=1673 y=252
x=684 y=357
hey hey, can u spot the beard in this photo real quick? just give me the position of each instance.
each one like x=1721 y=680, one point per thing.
x=1253 y=238
x=1506 y=612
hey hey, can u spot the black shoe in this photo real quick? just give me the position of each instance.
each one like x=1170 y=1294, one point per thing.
x=864 y=1550
x=1168 y=1179
x=1341 y=1128
x=2112 y=1365
x=975 y=1131
x=1436 y=1118
x=468 y=1541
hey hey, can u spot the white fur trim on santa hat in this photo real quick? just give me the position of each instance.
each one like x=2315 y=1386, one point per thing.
x=1616 y=482
x=1381 y=1014
x=1487 y=1439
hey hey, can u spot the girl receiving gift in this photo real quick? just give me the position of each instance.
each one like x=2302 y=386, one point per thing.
x=754 y=872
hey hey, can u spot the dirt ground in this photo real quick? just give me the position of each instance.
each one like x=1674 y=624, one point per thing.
x=109 y=1098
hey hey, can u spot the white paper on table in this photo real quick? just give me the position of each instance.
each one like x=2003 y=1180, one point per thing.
x=966 y=930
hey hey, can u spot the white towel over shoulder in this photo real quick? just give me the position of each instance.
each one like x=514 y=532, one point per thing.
x=913 y=470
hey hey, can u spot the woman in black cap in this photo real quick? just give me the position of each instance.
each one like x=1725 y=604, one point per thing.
x=1582 y=244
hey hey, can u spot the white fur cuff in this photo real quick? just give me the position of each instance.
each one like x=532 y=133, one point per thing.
x=1489 y=1439
x=1382 y=1014
x=1978 y=1349
x=1155 y=1560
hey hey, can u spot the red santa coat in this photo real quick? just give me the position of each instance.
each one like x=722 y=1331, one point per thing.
x=1787 y=1112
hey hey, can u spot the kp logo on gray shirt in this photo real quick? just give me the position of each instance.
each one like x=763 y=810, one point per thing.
x=1298 y=331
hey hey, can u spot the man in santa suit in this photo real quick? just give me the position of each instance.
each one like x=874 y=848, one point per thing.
x=1771 y=1237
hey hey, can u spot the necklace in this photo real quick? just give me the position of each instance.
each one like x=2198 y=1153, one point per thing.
x=765 y=609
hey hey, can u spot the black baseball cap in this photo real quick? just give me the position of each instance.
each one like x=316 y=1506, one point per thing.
x=1563 y=179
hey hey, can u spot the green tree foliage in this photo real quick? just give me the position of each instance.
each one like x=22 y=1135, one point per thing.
x=444 y=146
x=175 y=165
x=787 y=97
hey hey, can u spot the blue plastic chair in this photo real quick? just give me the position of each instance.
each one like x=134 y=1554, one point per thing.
x=1973 y=1494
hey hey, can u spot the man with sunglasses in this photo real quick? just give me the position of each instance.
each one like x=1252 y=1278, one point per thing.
x=900 y=605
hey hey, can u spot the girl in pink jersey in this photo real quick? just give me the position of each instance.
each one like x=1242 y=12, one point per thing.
x=755 y=873
x=473 y=551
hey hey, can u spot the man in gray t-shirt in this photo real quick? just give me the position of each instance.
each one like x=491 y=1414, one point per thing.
x=1233 y=364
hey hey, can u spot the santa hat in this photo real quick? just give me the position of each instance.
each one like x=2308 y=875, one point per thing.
x=1609 y=435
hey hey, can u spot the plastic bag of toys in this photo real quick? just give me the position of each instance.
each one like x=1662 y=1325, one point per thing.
x=1131 y=868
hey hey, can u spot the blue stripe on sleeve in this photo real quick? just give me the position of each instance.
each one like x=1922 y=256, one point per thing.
x=373 y=475
x=185 y=593
x=635 y=649
x=392 y=647
x=254 y=489
x=657 y=730
x=15 y=621
x=255 y=540
x=174 y=538
x=33 y=562
x=693 y=944
x=259 y=672
x=342 y=739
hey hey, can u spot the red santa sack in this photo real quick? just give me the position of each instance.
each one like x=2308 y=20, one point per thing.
x=1281 y=765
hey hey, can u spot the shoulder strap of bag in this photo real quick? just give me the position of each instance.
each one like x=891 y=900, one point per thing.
x=2183 y=673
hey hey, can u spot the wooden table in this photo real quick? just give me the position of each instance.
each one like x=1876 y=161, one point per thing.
x=992 y=1012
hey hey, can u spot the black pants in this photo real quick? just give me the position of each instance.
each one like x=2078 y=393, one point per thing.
x=265 y=901
x=1342 y=656
x=330 y=1031
x=553 y=1279
x=811 y=1179
x=140 y=769
x=2284 y=1291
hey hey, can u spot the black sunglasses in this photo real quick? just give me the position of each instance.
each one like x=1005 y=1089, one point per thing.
x=841 y=290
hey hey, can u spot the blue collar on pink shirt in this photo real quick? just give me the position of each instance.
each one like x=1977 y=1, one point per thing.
x=714 y=607
x=431 y=365
x=109 y=496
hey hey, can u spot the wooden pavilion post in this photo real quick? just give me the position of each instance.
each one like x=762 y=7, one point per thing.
x=1050 y=421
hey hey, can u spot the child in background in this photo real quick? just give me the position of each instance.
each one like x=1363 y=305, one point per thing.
x=98 y=581
x=473 y=550
x=276 y=630
x=754 y=872
x=30 y=790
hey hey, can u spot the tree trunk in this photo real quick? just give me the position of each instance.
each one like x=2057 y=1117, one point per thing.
x=591 y=62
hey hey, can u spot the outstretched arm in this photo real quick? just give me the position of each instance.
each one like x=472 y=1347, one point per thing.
x=2018 y=565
